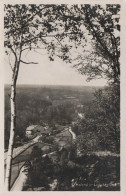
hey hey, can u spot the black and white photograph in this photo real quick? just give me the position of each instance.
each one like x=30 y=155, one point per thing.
x=62 y=96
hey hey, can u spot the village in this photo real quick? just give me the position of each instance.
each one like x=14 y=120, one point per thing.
x=49 y=140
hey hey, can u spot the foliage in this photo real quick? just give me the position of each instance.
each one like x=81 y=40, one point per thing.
x=41 y=169
x=101 y=128
x=62 y=28
x=30 y=27
x=102 y=23
x=36 y=153
x=97 y=173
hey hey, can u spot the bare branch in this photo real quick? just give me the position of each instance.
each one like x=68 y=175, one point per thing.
x=28 y=62
x=29 y=48
x=13 y=52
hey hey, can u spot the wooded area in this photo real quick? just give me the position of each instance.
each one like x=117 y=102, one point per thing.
x=63 y=30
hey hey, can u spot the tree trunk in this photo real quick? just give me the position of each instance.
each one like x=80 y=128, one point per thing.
x=12 y=134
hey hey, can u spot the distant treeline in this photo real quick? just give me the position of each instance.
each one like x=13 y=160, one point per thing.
x=44 y=104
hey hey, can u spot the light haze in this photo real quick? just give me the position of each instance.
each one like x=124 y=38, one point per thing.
x=47 y=72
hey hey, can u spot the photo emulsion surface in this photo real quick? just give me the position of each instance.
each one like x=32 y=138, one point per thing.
x=62 y=97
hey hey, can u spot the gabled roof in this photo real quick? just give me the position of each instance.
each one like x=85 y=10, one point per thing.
x=31 y=127
x=38 y=128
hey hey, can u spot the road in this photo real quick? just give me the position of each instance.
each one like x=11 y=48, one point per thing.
x=72 y=133
x=20 y=149
x=19 y=183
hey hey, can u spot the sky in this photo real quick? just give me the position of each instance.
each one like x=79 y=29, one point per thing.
x=57 y=72
x=48 y=73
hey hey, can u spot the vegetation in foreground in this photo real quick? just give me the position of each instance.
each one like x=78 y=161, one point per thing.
x=72 y=173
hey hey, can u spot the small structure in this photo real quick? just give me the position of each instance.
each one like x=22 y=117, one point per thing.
x=37 y=130
x=30 y=130
x=80 y=106
x=81 y=115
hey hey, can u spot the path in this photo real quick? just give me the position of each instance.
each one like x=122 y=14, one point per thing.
x=19 y=183
x=72 y=133
x=20 y=149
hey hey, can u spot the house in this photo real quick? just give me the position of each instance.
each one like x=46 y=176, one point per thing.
x=37 y=130
x=30 y=130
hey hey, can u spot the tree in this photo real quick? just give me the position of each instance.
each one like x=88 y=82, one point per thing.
x=102 y=60
x=40 y=170
x=103 y=27
x=36 y=153
x=108 y=101
x=17 y=39
x=27 y=27
x=36 y=176
x=101 y=128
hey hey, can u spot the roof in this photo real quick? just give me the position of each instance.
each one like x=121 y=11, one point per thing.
x=42 y=129
x=39 y=128
x=46 y=131
x=31 y=127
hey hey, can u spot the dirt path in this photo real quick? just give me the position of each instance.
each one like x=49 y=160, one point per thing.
x=72 y=133
x=20 y=149
x=19 y=183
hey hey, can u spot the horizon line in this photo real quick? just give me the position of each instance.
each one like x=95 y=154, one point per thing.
x=58 y=85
